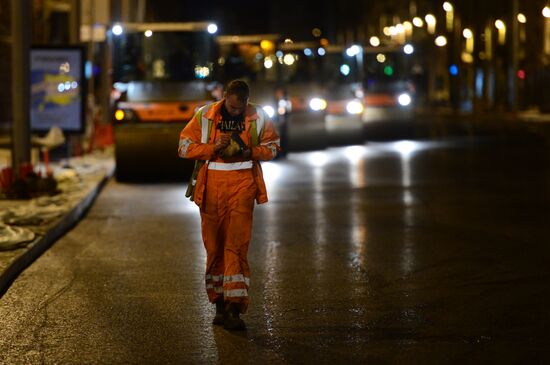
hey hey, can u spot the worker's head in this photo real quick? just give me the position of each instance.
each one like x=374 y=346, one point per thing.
x=236 y=97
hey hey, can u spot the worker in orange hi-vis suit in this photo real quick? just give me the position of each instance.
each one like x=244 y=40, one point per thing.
x=228 y=139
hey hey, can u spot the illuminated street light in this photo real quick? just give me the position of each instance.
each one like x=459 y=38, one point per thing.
x=374 y=41
x=408 y=49
x=148 y=33
x=353 y=50
x=449 y=10
x=469 y=35
x=408 y=28
x=431 y=22
x=441 y=41
x=345 y=70
x=499 y=24
x=117 y=29
x=387 y=31
x=381 y=58
x=546 y=12
x=399 y=33
x=321 y=51
x=212 y=28
x=522 y=18
x=400 y=28
x=418 y=22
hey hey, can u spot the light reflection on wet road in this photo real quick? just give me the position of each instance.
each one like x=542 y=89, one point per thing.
x=404 y=252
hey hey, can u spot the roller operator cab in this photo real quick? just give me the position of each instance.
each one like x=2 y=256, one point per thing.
x=162 y=74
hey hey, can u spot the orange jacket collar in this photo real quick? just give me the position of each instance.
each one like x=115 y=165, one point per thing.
x=250 y=113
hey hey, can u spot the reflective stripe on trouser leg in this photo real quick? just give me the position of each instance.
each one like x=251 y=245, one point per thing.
x=227 y=223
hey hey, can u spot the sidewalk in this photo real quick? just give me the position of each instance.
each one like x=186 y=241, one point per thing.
x=30 y=227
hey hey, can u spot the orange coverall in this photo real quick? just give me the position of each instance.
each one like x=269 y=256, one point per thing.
x=225 y=192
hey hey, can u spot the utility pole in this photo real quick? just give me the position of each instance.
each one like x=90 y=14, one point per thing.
x=21 y=38
x=74 y=22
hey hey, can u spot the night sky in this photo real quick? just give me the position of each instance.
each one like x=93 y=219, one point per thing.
x=244 y=16
x=296 y=18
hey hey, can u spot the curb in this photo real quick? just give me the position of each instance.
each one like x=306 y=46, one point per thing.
x=69 y=221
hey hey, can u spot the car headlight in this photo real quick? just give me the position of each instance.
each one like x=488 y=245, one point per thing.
x=354 y=107
x=404 y=99
x=269 y=110
x=285 y=106
x=318 y=104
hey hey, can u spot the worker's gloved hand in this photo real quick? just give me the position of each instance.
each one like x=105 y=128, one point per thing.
x=222 y=142
x=232 y=150
x=247 y=154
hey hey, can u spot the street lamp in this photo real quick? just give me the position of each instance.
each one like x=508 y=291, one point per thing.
x=374 y=41
x=418 y=22
x=449 y=10
x=117 y=29
x=353 y=50
x=431 y=22
x=408 y=28
x=212 y=28
x=469 y=35
x=441 y=41
x=522 y=18
x=499 y=24
x=546 y=12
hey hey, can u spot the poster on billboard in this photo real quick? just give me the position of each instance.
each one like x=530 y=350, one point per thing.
x=57 y=89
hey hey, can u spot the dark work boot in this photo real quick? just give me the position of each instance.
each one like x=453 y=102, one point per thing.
x=231 y=320
x=218 y=319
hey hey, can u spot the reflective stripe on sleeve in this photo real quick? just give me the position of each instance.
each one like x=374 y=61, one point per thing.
x=204 y=124
x=184 y=145
x=277 y=142
x=261 y=119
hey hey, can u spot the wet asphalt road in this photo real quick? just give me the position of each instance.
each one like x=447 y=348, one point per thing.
x=380 y=253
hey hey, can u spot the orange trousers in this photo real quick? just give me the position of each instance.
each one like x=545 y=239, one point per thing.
x=226 y=217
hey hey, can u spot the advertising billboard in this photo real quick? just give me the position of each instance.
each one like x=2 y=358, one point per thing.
x=57 y=89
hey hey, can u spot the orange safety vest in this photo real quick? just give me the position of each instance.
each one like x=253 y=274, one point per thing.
x=197 y=184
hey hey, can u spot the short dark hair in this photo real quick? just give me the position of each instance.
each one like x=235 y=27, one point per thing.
x=238 y=88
